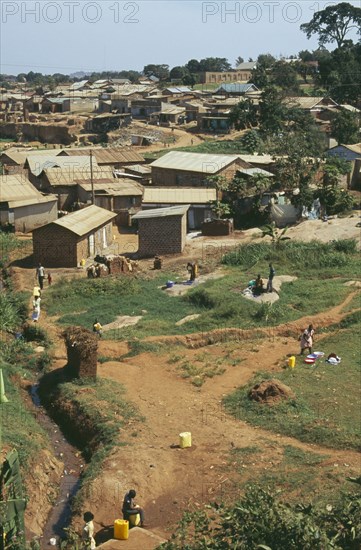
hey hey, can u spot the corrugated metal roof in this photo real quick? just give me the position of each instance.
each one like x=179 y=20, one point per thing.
x=247 y=66
x=253 y=171
x=257 y=159
x=141 y=168
x=178 y=90
x=86 y=220
x=17 y=189
x=108 y=155
x=120 y=188
x=68 y=176
x=236 y=88
x=179 y=195
x=161 y=212
x=39 y=163
x=194 y=162
x=19 y=156
x=308 y=102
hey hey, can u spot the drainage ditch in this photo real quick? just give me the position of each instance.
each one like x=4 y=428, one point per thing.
x=60 y=515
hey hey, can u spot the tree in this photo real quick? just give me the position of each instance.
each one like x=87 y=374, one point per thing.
x=277 y=236
x=220 y=209
x=345 y=127
x=238 y=61
x=160 y=71
x=271 y=111
x=216 y=64
x=259 y=76
x=193 y=66
x=284 y=75
x=333 y=23
x=177 y=73
x=266 y=60
x=251 y=141
x=244 y=115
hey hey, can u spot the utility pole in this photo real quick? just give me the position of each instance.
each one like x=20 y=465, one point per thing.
x=91 y=176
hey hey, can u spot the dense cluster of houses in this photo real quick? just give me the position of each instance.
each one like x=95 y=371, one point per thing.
x=110 y=104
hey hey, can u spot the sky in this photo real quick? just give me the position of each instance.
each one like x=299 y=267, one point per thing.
x=67 y=36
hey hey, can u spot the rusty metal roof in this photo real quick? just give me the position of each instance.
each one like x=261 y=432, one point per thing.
x=116 y=187
x=38 y=163
x=108 y=155
x=68 y=175
x=86 y=220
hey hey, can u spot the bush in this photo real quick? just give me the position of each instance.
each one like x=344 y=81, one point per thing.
x=201 y=298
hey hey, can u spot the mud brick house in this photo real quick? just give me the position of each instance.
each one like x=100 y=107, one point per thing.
x=22 y=206
x=193 y=169
x=122 y=196
x=242 y=73
x=162 y=230
x=198 y=199
x=66 y=241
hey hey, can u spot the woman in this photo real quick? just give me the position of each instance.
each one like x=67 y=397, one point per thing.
x=88 y=530
x=307 y=339
x=258 y=286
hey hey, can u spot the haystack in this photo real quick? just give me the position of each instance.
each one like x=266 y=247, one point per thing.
x=81 y=347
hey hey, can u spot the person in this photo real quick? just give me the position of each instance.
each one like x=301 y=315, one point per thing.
x=129 y=508
x=40 y=272
x=36 y=291
x=88 y=530
x=271 y=274
x=50 y=279
x=97 y=328
x=258 y=286
x=192 y=268
x=307 y=339
x=36 y=309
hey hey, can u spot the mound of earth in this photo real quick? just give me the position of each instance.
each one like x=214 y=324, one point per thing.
x=270 y=392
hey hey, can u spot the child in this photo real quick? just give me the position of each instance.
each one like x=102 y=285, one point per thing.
x=50 y=279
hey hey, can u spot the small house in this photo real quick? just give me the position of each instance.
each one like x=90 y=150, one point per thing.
x=198 y=198
x=76 y=236
x=162 y=230
x=23 y=206
x=346 y=152
x=182 y=169
x=235 y=89
x=122 y=196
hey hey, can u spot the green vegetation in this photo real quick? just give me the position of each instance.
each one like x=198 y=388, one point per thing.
x=260 y=521
x=323 y=268
x=326 y=409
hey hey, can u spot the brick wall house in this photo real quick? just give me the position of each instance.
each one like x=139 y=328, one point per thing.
x=193 y=169
x=66 y=241
x=162 y=230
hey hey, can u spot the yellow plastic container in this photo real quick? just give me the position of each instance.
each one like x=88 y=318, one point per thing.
x=185 y=440
x=121 y=529
x=82 y=262
x=134 y=520
x=292 y=362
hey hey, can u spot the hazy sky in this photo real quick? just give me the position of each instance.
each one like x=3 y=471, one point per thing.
x=67 y=36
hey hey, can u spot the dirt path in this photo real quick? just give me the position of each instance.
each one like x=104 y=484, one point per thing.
x=169 y=480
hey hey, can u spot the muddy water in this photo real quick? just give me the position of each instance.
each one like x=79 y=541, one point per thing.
x=60 y=515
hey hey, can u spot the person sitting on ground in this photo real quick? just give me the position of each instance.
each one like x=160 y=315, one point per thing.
x=307 y=339
x=88 y=530
x=97 y=328
x=129 y=508
x=258 y=286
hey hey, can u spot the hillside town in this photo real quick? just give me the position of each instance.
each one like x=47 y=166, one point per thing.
x=177 y=243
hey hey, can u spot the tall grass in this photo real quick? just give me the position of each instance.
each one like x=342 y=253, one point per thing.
x=334 y=257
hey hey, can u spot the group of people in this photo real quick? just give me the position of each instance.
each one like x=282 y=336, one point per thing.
x=129 y=508
x=258 y=284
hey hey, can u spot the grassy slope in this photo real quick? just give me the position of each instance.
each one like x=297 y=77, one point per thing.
x=326 y=410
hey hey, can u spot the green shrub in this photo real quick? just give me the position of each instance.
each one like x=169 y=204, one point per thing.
x=200 y=298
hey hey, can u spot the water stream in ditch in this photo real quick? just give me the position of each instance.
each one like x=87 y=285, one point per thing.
x=60 y=515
